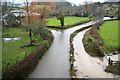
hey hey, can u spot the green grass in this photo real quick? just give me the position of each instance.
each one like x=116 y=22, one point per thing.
x=109 y=33
x=68 y=20
x=12 y=50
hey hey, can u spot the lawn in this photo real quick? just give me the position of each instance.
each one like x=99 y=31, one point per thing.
x=109 y=33
x=11 y=50
x=68 y=20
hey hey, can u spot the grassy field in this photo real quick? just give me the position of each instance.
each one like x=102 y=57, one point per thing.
x=109 y=33
x=11 y=50
x=68 y=20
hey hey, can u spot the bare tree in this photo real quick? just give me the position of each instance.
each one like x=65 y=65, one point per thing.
x=35 y=16
x=28 y=20
x=97 y=12
x=87 y=7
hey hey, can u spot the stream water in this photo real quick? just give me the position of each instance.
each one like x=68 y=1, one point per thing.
x=55 y=63
x=87 y=66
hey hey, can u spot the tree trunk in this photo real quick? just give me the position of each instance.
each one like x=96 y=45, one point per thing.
x=62 y=22
x=29 y=21
x=30 y=36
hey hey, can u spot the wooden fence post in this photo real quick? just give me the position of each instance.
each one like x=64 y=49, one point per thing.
x=109 y=61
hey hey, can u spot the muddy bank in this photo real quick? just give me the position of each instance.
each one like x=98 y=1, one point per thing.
x=113 y=64
x=72 y=70
x=94 y=46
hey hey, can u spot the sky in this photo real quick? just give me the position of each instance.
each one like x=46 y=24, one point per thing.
x=77 y=2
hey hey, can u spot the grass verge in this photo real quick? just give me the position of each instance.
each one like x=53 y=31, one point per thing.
x=109 y=33
x=20 y=64
x=68 y=20
x=11 y=51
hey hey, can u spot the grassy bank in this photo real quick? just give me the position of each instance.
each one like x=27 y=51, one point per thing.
x=12 y=51
x=68 y=20
x=109 y=33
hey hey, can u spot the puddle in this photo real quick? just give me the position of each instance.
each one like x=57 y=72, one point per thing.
x=11 y=39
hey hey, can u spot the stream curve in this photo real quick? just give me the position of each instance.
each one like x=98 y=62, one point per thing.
x=55 y=63
x=87 y=66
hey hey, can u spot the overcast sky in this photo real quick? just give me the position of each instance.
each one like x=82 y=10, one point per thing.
x=82 y=1
x=77 y=2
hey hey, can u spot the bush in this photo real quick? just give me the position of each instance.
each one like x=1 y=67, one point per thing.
x=11 y=20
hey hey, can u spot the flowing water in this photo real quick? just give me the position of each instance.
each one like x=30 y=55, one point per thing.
x=55 y=63
x=87 y=66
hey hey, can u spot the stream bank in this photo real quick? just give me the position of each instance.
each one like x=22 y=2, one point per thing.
x=85 y=65
x=69 y=26
x=21 y=69
x=82 y=64
x=72 y=59
x=95 y=47
x=56 y=59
